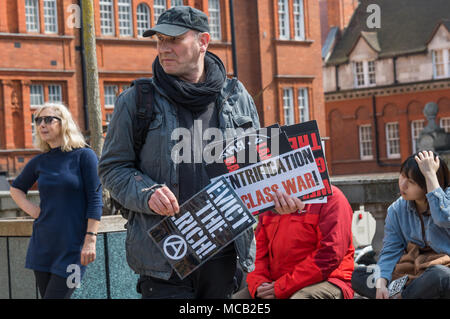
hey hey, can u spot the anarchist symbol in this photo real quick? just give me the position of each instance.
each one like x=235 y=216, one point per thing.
x=175 y=247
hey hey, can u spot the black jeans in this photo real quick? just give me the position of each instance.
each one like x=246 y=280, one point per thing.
x=213 y=280
x=52 y=286
x=434 y=283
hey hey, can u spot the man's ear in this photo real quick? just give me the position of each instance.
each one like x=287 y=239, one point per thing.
x=204 y=38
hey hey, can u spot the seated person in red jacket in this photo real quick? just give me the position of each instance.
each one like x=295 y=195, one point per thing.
x=304 y=251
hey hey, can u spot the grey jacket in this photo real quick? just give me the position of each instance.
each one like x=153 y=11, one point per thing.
x=132 y=187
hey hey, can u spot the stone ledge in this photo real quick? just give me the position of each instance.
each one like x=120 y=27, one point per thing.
x=23 y=227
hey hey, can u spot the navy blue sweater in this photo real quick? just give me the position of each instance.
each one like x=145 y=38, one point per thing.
x=70 y=193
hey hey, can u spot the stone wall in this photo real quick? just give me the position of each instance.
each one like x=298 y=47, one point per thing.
x=110 y=276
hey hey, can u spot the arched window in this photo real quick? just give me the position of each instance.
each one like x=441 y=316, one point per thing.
x=159 y=7
x=50 y=16
x=142 y=18
x=175 y=3
x=32 y=15
x=106 y=17
x=125 y=19
x=214 y=19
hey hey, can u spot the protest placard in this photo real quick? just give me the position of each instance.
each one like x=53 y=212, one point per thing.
x=307 y=133
x=248 y=149
x=207 y=222
x=294 y=172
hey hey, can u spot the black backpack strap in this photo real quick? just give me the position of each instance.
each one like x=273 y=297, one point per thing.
x=144 y=113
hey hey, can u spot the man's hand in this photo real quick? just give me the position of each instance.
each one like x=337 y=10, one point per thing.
x=164 y=202
x=285 y=204
x=266 y=291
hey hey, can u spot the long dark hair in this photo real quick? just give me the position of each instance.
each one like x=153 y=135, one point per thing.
x=410 y=169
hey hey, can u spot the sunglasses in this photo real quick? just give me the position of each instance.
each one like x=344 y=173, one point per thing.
x=46 y=119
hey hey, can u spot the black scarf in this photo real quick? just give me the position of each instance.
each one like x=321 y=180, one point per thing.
x=193 y=96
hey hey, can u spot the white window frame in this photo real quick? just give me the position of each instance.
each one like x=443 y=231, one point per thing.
x=110 y=91
x=108 y=118
x=288 y=106
x=416 y=127
x=125 y=18
x=176 y=3
x=214 y=19
x=159 y=6
x=107 y=26
x=142 y=18
x=55 y=93
x=364 y=73
x=36 y=95
x=392 y=140
x=365 y=142
x=32 y=15
x=444 y=63
x=445 y=124
x=33 y=130
x=283 y=20
x=299 y=20
x=303 y=105
x=50 y=16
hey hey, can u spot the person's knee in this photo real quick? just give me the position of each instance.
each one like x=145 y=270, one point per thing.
x=304 y=293
x=438 y=273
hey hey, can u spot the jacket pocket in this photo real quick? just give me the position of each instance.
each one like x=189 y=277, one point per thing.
x=243 y=121
x=156 y=122
x=303 y=230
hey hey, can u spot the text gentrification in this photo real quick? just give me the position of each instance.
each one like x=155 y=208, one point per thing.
x=294 y=172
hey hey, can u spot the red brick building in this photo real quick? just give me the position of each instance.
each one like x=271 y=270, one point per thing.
x=379 y=73
x=278 y=59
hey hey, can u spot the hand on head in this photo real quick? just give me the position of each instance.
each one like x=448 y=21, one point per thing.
x=427 y=162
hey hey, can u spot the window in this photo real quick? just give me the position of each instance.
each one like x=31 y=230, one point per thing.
x=54 y=93
x=176 y=3
x=125 y=20
x=110 y=95
x=159 y=7
x=36 y=95
x=106 y=17
x=50 y=16
x=142 y=18
x=299 y=20
x=416 y=128
x=365 y=142
x=288 y=106
x=303 y=105
x=392 y=140
x=108 y=118
x=283 y=19
x=364 y=73
x=32 y=15
x=371 y=71
x=33 y=129
x=214 y=19
x=441 y=63
x=445 y=124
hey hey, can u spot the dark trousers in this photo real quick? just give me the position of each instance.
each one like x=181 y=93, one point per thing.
x=52 y=286
x=213 y=280
x=434 y=283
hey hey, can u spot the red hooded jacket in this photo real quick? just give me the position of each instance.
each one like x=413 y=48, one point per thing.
x=301 y=249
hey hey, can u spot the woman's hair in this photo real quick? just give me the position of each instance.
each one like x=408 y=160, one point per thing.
x=71 y=134
x=410 y=168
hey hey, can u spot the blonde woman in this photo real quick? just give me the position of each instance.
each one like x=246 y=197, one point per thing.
x=67 y=219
